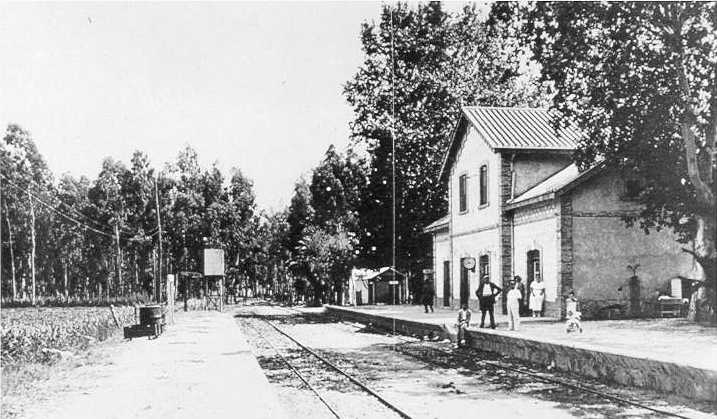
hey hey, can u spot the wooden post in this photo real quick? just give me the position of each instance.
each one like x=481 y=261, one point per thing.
x=170 y=297
x=114 y=316
x=159 y=236
x=119 y=260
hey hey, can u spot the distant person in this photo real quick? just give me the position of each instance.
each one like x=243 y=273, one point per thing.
x=523 y=302
x=464 y=320
x=573 y=313
x=537 y=296
x=486 y=293
x=513 y=299
x=428 y=296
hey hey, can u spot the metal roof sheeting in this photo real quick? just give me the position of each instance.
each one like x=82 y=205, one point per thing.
x=520 y=128
x=511 y=129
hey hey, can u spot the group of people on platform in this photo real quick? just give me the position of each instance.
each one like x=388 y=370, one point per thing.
x=517 y=303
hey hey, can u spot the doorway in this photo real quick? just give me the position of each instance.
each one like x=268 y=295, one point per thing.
x=534 y=269
x=446 y=284
x=465 y=290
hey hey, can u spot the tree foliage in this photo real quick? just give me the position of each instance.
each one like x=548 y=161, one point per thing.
x=421 y=65
x=639 y=79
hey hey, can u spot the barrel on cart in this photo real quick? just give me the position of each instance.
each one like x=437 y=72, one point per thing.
x=151 y=322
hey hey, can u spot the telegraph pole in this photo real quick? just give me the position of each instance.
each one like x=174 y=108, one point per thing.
x=393 y=153
x=158 y=288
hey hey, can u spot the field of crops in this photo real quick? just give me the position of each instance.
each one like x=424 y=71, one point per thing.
x=44 y=334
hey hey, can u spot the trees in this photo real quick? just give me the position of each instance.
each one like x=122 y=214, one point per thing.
x=422 y=64
x=321 y=225
x=639 y=79
x=91 y=240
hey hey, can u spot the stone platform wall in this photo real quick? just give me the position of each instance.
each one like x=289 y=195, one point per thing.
x=693 y=383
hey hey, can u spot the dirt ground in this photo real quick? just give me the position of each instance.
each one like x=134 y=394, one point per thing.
x=212 y=365
x=408 y=372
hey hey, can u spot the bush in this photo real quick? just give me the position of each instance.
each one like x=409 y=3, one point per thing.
x=43 y=334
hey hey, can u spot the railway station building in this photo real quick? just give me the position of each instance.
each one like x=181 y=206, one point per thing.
x=518 y=205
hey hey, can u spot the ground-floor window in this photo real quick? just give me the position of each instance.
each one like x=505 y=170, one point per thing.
x=446 y=283
x=483 y=266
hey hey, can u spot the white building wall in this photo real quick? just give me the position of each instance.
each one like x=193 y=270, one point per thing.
x=538 y=229
x=441 y=253
x=475 y=245
x=474 y=153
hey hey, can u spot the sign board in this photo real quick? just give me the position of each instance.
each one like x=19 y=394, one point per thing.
x=392 y=282
x=213 y=262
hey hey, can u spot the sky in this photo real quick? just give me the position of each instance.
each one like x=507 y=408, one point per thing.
x=256 y=86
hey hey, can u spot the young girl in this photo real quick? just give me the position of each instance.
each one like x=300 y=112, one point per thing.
x=573 y=315
x=513 y=301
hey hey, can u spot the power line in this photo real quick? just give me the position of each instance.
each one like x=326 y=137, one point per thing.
x=50 y=207
x=42 y=189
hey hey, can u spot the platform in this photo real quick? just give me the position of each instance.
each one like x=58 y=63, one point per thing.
x=201 y=367
x=671 y=355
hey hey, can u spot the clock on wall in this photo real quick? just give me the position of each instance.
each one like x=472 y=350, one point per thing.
x=469 y=263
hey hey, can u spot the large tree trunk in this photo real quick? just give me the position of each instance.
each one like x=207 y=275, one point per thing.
x=32 y=252
x=64 y=280
x=118 y=262
x=13 y=280
x=704 y=301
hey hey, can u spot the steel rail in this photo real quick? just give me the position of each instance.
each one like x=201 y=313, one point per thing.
x=342 y=372
x=298 y=374
x=540 y=377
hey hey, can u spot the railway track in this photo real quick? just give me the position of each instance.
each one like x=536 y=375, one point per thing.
x=292 y=363
x=432 y=353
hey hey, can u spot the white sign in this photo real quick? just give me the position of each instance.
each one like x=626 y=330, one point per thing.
x=213 y=262
x=392 y=282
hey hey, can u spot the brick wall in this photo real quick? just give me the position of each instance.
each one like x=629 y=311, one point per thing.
x=566 y=249
x=506 y=226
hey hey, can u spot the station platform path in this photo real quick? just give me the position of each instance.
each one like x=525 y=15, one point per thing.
x=201 y=367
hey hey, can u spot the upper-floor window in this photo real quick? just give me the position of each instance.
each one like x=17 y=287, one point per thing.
x=484 y=185
x=462 y=193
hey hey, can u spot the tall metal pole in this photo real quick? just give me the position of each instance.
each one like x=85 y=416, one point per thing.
x=393 y=151
x=158 y=289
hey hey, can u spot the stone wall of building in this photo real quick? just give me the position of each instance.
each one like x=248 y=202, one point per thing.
x=603 y=247
x=532 y=168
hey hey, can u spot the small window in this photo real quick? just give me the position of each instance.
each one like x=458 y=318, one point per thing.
x=484 y=185
x=462 y=193
x=483 y=266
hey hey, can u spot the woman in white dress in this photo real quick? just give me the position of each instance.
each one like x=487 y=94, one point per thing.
x=537 y=295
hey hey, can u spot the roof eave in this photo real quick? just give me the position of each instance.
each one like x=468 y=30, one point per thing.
x=436 y=228
x=536 y=149
x=548 y=196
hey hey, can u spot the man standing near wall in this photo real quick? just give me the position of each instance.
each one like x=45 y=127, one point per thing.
x=486 y=293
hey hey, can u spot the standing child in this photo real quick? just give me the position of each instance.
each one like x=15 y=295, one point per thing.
x=573 y=315
x=513 y=301
x=464 y=319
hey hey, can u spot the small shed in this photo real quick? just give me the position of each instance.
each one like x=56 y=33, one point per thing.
x=387 y=286
x=358 y=286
